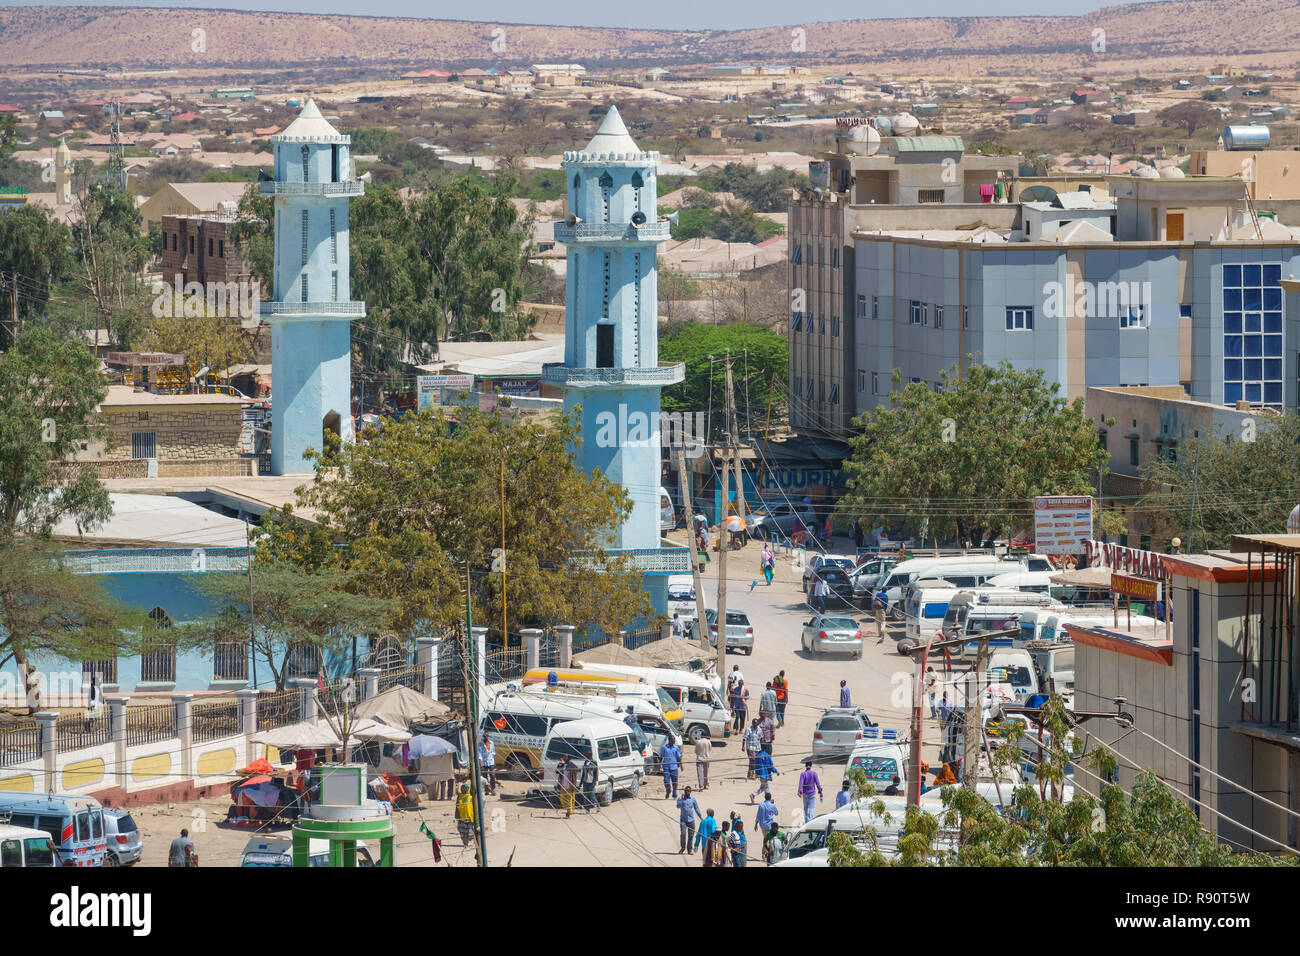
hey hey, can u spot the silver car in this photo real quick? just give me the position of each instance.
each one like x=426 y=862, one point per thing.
x=125 y=846
x=839 y=731
x=740 y=633
x=778 y=519
x=832 y=634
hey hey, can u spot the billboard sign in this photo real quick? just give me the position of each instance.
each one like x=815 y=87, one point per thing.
x=1062 y=524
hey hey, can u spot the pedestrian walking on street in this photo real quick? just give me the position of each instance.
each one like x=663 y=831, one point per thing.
x=723 y=845
x=670 y=757
x=465 y=814
x=767 y=702
x=878 y=606
x=819 y=592
x=753 y=741
x=844 y=796
x=688 y=811
x=767 y=563
x=708 y=835
x=810 y=785
x=735 y=677
x=781 y=687
x=767 y=734
x=844 y=694
x=679 y=628
x=826 y=529
x=763 y=770
x=487 y=759
x=766 y=814
x=931 y=683
x=703 y=754
x=739 y=706
x=566 y=781
x=739 y=845
x=181 y=851
x=590 y=773
x=945 y=708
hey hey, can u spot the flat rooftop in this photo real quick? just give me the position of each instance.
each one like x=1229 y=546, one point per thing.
x=160 y=520
x=125 y=395
x=252 y=495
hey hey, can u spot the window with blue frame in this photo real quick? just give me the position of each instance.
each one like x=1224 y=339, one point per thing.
x=1252 y=333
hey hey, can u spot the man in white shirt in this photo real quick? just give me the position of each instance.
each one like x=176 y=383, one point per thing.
x=703 y=754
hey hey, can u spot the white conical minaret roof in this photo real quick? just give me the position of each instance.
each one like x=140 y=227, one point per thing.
x=612 y=137
x=310 y=124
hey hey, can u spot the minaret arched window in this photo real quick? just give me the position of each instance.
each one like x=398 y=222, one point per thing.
x=637 y=184
x=306 y=154
x=606 y=184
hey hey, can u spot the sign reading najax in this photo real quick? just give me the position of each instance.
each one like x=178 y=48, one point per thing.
x=1145 y=564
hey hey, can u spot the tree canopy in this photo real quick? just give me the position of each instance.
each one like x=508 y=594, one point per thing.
x=34 y=254
x=1240 y=483
x=971 y=455
x=403 y=513
x=757 y=354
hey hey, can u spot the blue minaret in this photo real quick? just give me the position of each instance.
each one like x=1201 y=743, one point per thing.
x=311 y=307
x=611 y=352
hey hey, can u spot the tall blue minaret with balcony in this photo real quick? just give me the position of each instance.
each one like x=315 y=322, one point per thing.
x=611 y=351
x=311 y=307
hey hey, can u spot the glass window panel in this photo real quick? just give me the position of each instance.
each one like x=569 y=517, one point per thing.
x=1231 y=275
x=1273 y=298
x=1232 y=323
x=1232 y=345
x=1273 y=393
x=1273 y=368
x=1273 y=346
x=1272 y=321
x=1232 y=370
x=1231 y=300
x=1250 y=275
x=1252 y=322
x=1231 y=392
x=1254 y=345
x=1254 y=394
x=1272 y=273
x=1252 y=369
x=1252 y=299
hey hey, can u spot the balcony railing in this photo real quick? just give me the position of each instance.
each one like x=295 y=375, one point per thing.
x=612 y=232
x=654 y=560
x=353 y=188
x=556 y=373
x=357 y=309
x=157 y=560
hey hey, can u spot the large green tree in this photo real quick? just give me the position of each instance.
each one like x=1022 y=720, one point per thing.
x=34 y=252
x=1243 y=482
x=758 y=354
x=51 y=387
x=404 y=514
x=966 y=461
x=111 y=254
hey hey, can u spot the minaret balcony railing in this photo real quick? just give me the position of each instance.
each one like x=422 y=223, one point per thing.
x=352 y=188
x=556 y=373
x=612 y=232
x=357 y=309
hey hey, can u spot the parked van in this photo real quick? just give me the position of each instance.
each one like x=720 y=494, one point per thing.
x=75 y=823
x=26 y=847
x=860 y=819
x=974 y=574
x=681 y=597
x=1054 y=667
x=703 y=712
x=903 y=573
x=880 y=756
x=1035 y=582
x=973 y=611
x=925 y=609
x=610 y=743
x=1014 y=666
x=615 y=685
x=667 y=513
x=643 y=710
x=637 y=698
x=517 y=724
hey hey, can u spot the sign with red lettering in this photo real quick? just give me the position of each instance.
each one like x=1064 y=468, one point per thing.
x=1062 y=524
x=1146 y=564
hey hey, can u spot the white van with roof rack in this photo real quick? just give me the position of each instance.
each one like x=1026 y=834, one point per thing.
x=905 y=572
x=611 y=745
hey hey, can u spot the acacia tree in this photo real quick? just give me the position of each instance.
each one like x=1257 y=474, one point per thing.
x=50 y=387
x=111 y=253
x=33 y=254
x=405 y=513
x=292 y=611
x=1218 y=486
x=971 y=456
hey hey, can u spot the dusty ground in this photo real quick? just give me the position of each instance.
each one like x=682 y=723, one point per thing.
x=641 y=831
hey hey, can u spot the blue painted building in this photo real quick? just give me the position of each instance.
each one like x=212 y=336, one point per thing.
x=311 y=308
x=611 y=355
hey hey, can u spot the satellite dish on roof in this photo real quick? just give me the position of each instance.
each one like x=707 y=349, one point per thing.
x=1038 y=193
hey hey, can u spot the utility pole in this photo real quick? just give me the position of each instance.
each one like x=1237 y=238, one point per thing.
x=505 y=634
x=685 y=485
x=973 y=718
x=469 y=674
x=729 y=455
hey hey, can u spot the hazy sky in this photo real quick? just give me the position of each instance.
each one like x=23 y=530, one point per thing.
x=661 y=14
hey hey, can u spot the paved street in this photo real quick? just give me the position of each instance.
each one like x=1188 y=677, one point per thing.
x=641 y=831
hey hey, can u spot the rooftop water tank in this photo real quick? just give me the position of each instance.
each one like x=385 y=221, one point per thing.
x=1145 y=172
x=884 y=125
x=864 y=141
x=905 y=124
x=1171 y=172
x=1245 y=137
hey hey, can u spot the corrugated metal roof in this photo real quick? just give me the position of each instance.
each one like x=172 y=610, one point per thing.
x=930 y=144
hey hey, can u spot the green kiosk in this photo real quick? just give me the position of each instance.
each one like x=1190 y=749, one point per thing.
x=343 y=815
